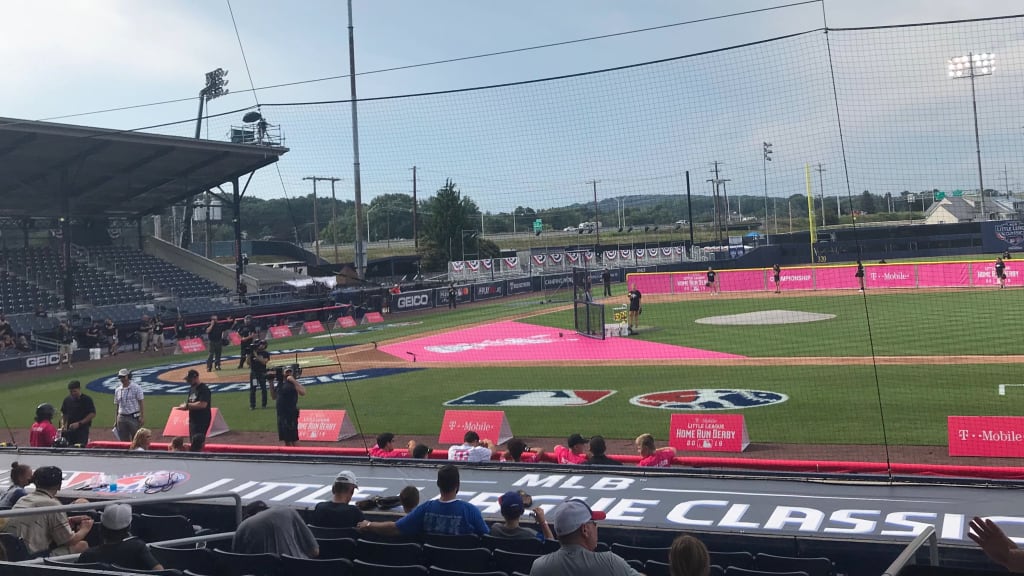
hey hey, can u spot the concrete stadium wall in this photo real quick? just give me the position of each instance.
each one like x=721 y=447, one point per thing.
x=196 y=264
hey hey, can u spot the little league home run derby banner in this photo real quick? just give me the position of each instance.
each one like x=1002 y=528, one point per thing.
x=993 y=436
x=314 y=425
x=708 y=433
x=841 y=277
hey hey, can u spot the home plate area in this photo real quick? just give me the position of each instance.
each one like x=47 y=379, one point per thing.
x=518 y=342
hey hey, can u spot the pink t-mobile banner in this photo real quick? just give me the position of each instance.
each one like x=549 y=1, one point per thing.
x=984 y=273
x=890 y=276
x=650 y=283
x=689 y=282
x=794 y=279
x=836 y=278
x=741 y=280
x=943 y=275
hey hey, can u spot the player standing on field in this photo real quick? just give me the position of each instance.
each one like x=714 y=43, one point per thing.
x=634 y=308
x=712 y=283
x=777 y=276
x=860 y=275
x=1001 y=272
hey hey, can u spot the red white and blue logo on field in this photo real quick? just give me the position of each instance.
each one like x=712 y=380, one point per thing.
x=533 y=398
x=708 y=399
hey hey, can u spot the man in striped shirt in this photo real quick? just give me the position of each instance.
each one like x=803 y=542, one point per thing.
x=130 y=407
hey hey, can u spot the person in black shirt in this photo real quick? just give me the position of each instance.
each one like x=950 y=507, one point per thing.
x=145 y=333
x=92 y=335
x=452 y=301
x=286 y=392
x=634 y=296
x=157 y=340
x=860 y=275
x=597 y=453
x=215 y=335
x=110 y=333
x=65 y=338
x=119 y=546
x=338 y=512
x=77 y=413
x=180 y=328
x=247 y=332
x=258 y=373
x=1001 y=272
x=198 y=404
x=777 y=278
x=712 y=283
x=606 y=278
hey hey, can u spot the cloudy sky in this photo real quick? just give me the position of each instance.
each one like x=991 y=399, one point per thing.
x=636 y=130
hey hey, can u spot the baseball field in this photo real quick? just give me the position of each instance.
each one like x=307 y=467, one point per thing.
x=804 y=368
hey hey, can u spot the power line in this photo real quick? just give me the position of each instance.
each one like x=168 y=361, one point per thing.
x=245 y=60
x=254 y=89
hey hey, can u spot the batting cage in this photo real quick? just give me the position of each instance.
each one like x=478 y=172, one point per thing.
x=588 y=318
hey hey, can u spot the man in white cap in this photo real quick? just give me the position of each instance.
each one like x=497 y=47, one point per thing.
x=119 y=547
x=576 y=528
x=338 y=512
x=130 y=406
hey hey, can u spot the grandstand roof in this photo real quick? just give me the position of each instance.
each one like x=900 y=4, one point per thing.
x=112 y=172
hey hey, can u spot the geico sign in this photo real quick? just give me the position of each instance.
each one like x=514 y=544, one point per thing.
x=44 y=360
x=413 y=301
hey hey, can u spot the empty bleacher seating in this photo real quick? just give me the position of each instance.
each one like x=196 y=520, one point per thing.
x=152 y=271
x=45 y=267
x=17 y=295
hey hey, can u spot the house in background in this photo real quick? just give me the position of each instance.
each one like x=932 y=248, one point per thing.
x=951 y=210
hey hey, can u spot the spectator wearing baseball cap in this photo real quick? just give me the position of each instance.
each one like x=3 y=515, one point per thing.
x=119 y=547
x=472 y=449
x=574 y=451
x=597 y=453
x=518 y=451
x=445 y=515
x=576 y=528
x=200 y=413
x=513 y=505
x=49 y=533
x=130 y=406
x=651 y=456
x=338 y=512
x=385 y=447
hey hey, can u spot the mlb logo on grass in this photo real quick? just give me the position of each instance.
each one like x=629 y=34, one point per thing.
x=531 y=398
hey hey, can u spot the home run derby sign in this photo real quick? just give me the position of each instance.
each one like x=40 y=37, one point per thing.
x=630 y=497
x=319 y=366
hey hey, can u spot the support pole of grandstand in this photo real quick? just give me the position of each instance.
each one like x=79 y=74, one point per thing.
x=689 y=208
x=360 y=249
x=65 y=244
x=415 y=232
x=236 y=217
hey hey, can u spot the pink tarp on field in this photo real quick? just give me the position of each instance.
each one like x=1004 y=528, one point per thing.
x=523 y=343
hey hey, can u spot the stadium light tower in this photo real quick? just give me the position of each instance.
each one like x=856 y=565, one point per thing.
x=216 y=86
x=764 y=164
x=970 y=66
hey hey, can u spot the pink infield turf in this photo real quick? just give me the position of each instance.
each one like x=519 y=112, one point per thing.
x=515 y=341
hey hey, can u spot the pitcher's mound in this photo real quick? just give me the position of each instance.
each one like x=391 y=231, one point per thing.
x=765 y=317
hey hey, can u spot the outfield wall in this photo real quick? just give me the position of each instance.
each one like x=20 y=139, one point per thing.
x=967 y=274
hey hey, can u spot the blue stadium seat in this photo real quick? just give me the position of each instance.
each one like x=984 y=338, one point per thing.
x=436 y=571
x=327 y=532
x=337 y=548
x=232 y=564
x=389 y=554
x=513 y=562
x=370 y=569
x=315 y=567
x=469 y=559
x=453 y=540
x=164 y=572
x=727 y=560
x=195 y=559
x=640 y=553
x=523 y=546
x=812 y=566
x=655 y=568
x=734 y=571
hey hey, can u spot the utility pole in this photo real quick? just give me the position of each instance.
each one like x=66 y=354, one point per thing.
x=1006 y=181
x=415 y=232
x=360 y=250
x=715 y=183
x=821 y=189
x=597 y=218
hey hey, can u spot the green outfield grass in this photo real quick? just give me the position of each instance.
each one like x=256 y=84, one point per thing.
x=831 y=404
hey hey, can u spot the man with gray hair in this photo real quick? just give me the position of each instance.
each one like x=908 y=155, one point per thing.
x=119 y=547
x=576 y=528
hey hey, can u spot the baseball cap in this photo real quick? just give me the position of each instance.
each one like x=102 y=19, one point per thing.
x=123 y=372
x=511 y=503
x=346 y=477
x=192 y=374
x=116 y=517
x=47 y=477
x=568 y=516
x=576 y=439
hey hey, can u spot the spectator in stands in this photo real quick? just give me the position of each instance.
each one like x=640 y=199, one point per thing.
x=119 y=546
x=574 y=451
x=42 y=433
x=6 y=343
x=130 y=407
x=76 y=415
x=446 y=515
x=576 y=527
x=22 y=343
x=6 y=334
x=651 y=456
x=472 y=449
x=597 y=453
x=199 y=406
x=92 y=335
x=215 y=337
x=65 y=339
x=157 y=339
x=385 y=447
x=141 y=440
x=421 y=452
x=177 y=444
x=247 y=332
x=110 y=333
x=338 y=512
x=145 y=333
x=513 y=506
x=49 y=533
x=688 y=557
x=518 y=451
x=996 y=544
x=278 y=530
x=410 y=498
x=21 y=476
x=286 y=391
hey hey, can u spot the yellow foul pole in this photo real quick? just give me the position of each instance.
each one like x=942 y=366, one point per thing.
x=810 y=210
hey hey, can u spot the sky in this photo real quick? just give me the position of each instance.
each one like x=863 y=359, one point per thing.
x=635 y=131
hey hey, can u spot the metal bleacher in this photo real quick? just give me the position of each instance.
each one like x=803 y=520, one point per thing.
x=153 y=272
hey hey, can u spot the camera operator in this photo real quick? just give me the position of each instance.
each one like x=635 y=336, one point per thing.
x=258 y=359
x=247 y=333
